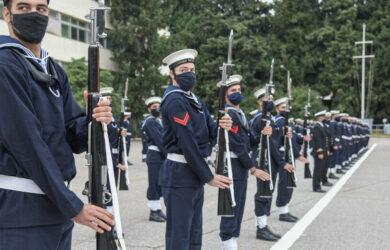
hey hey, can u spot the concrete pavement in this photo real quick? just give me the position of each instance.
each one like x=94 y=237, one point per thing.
x=355 y=219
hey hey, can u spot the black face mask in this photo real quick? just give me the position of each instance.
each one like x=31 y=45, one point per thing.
x=30 y=27
x=155 y=112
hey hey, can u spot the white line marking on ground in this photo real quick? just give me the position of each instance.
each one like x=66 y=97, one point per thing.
x=298 y=229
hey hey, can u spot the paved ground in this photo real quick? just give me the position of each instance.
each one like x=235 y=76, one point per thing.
x=357 y=218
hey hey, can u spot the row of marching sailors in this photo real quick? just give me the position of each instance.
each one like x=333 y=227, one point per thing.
x=243 y=136
x=347 y=138
x=338 y=140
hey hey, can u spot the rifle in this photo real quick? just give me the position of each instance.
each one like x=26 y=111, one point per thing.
x=98 y=155
x=306 y=131
x=226 y=200
x=123 y=182
x=288 y=149
x=266 y=187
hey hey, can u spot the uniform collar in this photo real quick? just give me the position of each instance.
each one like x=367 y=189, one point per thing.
x=9 y=42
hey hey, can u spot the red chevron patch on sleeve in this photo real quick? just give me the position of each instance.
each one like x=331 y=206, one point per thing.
x=234 y=129
x=182 y=118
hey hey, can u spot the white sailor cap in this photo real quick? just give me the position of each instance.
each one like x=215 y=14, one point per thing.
x=335 y=112
x=145 y=115
x=261 y=92
x=253 y=112
x=298 y=120
x=321 y=113
x=106 y=91
x=127 y=113
x=153 y=99
x=291 y=119
x=180 y=57
x=281 y=101
x=233 y=80
x=328 y=114
x=344 y=114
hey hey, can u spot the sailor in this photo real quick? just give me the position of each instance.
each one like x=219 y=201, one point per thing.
x=155 y=157
x=320 y=150
x=340 y=150
x=187 y=130
x=262 y=204
x=44 y=127
x=330 y=141
x=144 y=138
x=284 y=193
x=127 y=125
x=333 y=127
x=239 y=144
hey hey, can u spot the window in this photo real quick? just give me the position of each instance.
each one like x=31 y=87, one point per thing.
x=106 y=43
x=74 y=29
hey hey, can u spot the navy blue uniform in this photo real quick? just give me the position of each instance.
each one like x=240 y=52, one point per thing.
x=42 y=129
x=263 y=205
x=113 y=136
x=144 y=139
x=284 y=193
x=333 y=127
x=239 y=144
x=187 y=128
x=156 y=155
x=127 y=125
x=340 y=142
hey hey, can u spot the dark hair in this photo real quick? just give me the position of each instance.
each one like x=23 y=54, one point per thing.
x=8 y=3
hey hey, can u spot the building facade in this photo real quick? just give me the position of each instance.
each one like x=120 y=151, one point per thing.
x=68 y=32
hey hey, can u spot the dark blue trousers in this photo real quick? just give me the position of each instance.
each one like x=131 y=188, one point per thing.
x=184 y=217
x=263 y=205
x=340 y=156
x=154 y=190
x=284 y=193
x=128 y=147
x=231 y=226
x=53 y=237
x=333 y=158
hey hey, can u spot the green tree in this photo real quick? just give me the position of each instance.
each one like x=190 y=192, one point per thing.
x=77 y=71
x=137 y=49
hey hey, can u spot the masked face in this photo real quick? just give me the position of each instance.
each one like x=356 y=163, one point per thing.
x=337 y=118
x=30 y=27
x=155 y=112
x=270 y=106
x=282 y=113
x=235 y=98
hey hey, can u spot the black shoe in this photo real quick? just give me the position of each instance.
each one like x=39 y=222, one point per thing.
x=340 y=171
x=162 y=215
x=266 y=234
x=319 y=190
x=154 y=216
x=333 y=176
x=327 y=184
x=287 y=217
